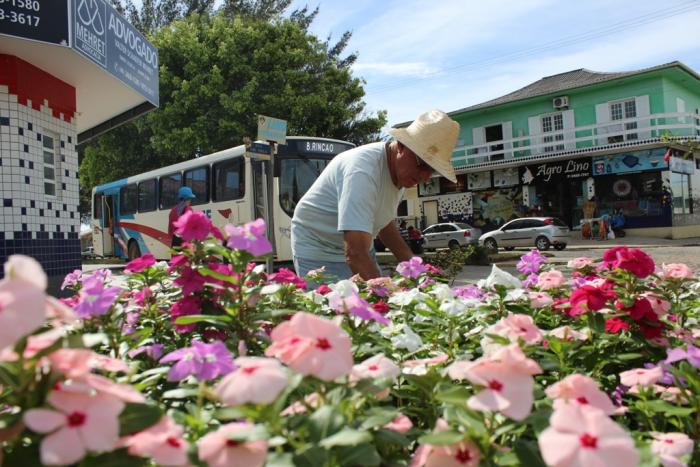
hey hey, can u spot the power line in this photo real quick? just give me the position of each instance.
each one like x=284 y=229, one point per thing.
x=602 y=31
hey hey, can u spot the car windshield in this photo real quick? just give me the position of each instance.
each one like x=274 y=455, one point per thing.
x=463 y=226
x=559 y=222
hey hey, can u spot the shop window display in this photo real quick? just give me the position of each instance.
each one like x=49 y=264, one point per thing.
x=681 y=193
x=643 y=198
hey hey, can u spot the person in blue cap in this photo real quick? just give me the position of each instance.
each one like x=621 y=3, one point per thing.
x=185 y=197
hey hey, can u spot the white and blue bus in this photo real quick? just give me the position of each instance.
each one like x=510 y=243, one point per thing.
x=130 y=216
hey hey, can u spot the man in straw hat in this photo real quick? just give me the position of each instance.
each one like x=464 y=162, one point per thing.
x=356 y=197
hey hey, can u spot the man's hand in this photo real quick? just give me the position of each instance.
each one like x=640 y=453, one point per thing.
x=392 y=239
x=357 y=245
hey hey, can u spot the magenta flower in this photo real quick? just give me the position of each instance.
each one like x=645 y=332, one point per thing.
x=469 y=291
x=154 y=351
x=412 y=268
x=189 y=305
x=71 y=279
x=139 y=264
x=193 y=225
x=190 y=281
x=692 y=355
x=355 y=305
x=531 y=262
x=95 y=299
x=285 y=276
x=249 y=237
x=204 y=361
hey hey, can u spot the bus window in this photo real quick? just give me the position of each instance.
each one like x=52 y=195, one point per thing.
x=198 y=180
x=128 y=199
x=147 y=195
x=229 y=180
x=296 y=177
x=169 y=184
x=97 y=207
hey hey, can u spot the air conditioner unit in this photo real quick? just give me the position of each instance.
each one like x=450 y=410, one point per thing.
x=560 y=102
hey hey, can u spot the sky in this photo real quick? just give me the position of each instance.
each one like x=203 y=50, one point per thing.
x=415 y=55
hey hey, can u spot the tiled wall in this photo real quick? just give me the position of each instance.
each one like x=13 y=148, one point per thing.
x=31 y=222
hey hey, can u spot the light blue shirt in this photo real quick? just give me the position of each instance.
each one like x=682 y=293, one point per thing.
x=354 y=192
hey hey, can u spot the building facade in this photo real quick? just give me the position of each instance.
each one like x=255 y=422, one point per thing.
x=577 y=145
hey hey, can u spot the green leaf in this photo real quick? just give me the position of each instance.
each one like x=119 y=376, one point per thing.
x=214 y=319
x=528 y=453
x=378 y=416
x=456 y=395
x=279 y=459
x=228 y=413
x=384 y=437
x=324 y=422
x=364 y=454
x=138 y=417
x=668 y=409
x=118 y=458
x=346 y=437
x=217 y=275
x=628 y=356
x=442 y=438
x=10 y=374
x=181 y=393
x=312 y=456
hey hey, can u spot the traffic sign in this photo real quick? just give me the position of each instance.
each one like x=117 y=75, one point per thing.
x=272 y=129
x=259 y=151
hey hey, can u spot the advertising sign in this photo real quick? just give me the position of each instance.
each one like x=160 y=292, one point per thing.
x=39 y=20
x=574 y=168
x=682 y=166
x=478 y=181
x=505 y=177
x=634 y=161
x=272 y=129
x=105 y=37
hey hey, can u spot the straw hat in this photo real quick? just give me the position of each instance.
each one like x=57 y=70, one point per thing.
x=433 y=137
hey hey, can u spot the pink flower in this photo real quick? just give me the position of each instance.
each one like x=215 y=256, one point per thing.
x=506 y=377
x=323 y=289
x=218 y=449
x=162 y=442
x=590 y=298
x=641 y=376
x=615 y=325
x=580 y=390
x=189 y=305
x=462 y=454
x=27 y=269
x=436 y=360
x=670 y=447
x=249 y=237
x=540 y=299
x=312 y=400
x=632 y=260
x=312 y=345
x=190 y=281
x=193 y=225
x=400 y=423
x=22 y=310
x=552 y=279
x=104 y=385
x=675 y=271
x=579 y=263
x=658 y=304
x=80 y=422
x=139 y=264
x=285 y=276
x=514 y=327
x=257 y=379
x=567 y=333
x=375 y=367
x=585 y=438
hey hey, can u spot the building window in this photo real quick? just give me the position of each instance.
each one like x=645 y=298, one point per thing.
x=680 y=189
x=50 y=164
x=552 y=128
x=620 y=111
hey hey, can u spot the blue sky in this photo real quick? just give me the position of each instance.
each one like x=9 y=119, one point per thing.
x=415 y=55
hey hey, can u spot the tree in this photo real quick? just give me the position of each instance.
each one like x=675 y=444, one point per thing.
x=216 y=75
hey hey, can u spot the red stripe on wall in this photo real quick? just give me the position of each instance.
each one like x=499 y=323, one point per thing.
x=28 y=82
x=161 y=236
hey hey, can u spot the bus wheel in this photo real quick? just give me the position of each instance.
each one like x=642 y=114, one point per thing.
x=134 y=250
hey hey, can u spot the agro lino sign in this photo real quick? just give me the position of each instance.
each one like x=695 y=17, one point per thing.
x=544 y=172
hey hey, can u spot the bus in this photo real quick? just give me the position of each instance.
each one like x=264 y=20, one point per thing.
x=130 y=216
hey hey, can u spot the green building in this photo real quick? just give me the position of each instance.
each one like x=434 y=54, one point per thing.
x=546 y=149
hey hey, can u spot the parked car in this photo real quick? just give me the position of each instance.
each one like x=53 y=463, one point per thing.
x=540 y=232
x=450 y=235
x=88 y=253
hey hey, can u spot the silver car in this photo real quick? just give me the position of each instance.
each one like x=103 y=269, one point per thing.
x=450 y=235
x=540 y=232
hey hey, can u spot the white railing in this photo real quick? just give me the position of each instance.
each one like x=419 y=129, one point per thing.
x=654 y=126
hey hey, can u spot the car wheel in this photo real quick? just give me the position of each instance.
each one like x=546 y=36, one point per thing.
x=509 y=248
x=542 y=243
x=453 y=245
x=134 y=250
x=560 y=246
x=491 y=244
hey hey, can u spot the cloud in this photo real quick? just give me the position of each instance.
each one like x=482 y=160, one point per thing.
x=396 y=69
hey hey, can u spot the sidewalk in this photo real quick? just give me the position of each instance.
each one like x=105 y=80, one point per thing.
x=630 y=241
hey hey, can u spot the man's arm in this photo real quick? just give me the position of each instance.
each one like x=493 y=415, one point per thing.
x=392 y=239
x=357 y=245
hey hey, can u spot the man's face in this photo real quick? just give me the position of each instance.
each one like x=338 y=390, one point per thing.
x=411 y=169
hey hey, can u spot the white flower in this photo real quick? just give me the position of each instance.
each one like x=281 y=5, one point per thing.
x=473 y=331
x=442 y=292
x=270 y=289
x=453 y=307
x=499 y=277
x=406 y=298
x=344 y=288
x=516 y=295
x=408 y=340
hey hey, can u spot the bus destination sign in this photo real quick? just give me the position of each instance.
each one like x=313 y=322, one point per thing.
x=44 y=21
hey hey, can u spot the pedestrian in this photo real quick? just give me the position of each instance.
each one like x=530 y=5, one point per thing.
x=185 y=197
x=403 y=231
x=415 y=239
x=355 y=198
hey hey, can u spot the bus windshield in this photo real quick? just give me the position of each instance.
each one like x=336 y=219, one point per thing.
x=296 y=177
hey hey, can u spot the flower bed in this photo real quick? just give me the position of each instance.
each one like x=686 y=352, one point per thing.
x=206 y=360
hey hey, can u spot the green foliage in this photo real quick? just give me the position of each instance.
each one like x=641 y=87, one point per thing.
x=216 y=74
x=451 y=261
